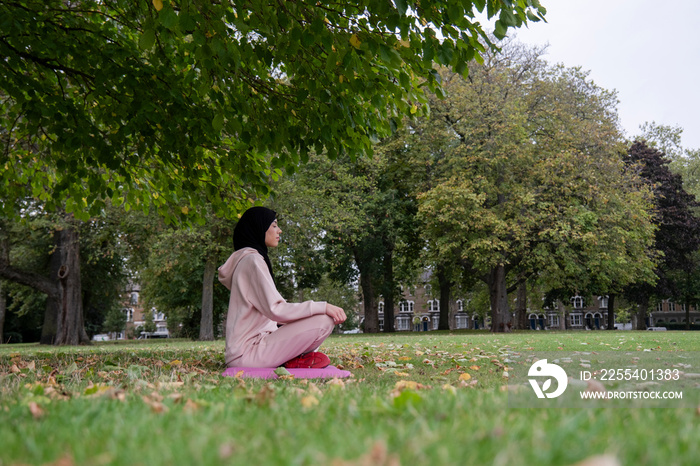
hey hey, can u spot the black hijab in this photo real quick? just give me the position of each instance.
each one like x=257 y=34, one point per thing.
x=250 y=231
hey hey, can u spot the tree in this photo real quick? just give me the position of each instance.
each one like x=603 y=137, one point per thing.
x=678 y=230
x=177 y=278
x=358 y=215
x=171 y=104
x=115 y=321
x=533 y=180
x=36 y=243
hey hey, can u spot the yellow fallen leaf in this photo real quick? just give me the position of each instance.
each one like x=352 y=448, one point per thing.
x=336 y=383
x=402 y=374
x=239 y=374
x=474 y=368
x=449 y=388
x=464 y=376
x=175 y=363
x=309 y=401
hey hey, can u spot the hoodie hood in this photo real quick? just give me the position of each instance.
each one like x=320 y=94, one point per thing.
x=226 y=270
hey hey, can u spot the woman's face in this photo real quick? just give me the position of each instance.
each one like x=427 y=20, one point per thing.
x=272 y=236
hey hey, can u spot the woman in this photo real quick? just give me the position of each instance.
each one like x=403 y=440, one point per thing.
x=253 y=338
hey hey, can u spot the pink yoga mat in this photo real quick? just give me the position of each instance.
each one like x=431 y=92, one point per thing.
x=269 y=373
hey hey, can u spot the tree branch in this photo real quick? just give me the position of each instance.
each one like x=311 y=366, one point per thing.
x=30 y=279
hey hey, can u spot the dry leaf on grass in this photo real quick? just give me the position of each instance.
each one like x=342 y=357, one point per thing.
x=599 y=460
x=377 y=456
x=309 y=401
x=36 y=410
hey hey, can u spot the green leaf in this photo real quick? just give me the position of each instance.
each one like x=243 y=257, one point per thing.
x=401 y=6
x=280 y=371
x=218 y=122
x=147 y=39
x=168 y=18
x=407 y=398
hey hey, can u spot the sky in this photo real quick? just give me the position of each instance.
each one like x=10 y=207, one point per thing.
x=647 y=50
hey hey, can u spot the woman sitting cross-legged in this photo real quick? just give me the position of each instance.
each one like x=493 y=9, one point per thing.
x=253 y=338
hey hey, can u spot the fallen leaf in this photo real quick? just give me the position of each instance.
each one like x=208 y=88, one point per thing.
x=337 y=383
x=309 y=401
x=190 y=406
x=465 y=376
x=449 y=388
x=36 y=410
x=599 y=460
x=377 y=456
x=226 y=450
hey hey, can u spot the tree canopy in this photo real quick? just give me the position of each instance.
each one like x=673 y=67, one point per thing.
x=180 y=103
x=533 y=180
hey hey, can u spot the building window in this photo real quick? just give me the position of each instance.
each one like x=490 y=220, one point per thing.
x=603 y=302
x=671 y=306
x=461 y=321
x=436 y=322
x=553 y=321
x=134 y=300
x=428 y=290
x=660 y=307
x=402 y=323
x=381 y=324
x=407 y=306
x=460 y=306
x=434 y=305
x=578 y=302
x=575 y=320
x=129 y=314
x=381 y=307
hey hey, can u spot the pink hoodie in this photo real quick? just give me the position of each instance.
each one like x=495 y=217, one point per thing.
x=256 y=306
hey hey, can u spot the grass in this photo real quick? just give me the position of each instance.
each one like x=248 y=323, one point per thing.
x=418 y=398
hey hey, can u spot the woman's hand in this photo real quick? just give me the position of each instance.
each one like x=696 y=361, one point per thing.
x=335 y=313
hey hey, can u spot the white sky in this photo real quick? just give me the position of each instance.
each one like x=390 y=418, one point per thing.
x=647 y=50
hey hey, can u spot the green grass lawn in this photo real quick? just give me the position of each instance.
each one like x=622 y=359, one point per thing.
x=418 y=398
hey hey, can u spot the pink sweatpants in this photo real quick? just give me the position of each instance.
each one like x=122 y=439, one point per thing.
x=287 y=342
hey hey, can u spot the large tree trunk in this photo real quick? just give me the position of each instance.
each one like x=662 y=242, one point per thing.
x=70 y=326
x=4 y=258
x=521 y=309
x=501 y=320
x=642 y=312
x=370 y=305
x=388 y=291
x=206 y=325
x=611 y=312
x=445 y=291
x=63 y=321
